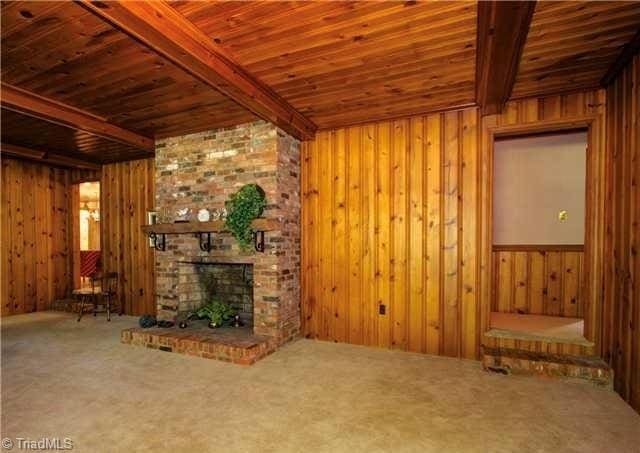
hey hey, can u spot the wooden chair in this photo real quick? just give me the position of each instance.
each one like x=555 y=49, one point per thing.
x=88 y=295
x=104 y=291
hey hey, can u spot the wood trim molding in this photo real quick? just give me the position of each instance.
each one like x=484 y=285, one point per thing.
x=168 y=33
x=21 y=152
x=542 y=127
x=502 y=31
x=628 y=52
x=538 y=247
x=594 y=228
x=382 y=119
x=31 y=104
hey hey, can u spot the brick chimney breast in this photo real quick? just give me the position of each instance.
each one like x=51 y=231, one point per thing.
x=200 y=171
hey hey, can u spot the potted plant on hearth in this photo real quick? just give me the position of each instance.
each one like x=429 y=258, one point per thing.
x=217 y=312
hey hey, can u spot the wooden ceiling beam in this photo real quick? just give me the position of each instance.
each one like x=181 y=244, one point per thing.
x=628 y=52
x=45 y=157
x=502 y=31
x=168 y=33
x=31 y=104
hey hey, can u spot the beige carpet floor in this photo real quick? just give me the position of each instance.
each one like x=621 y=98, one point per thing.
x=64 y=379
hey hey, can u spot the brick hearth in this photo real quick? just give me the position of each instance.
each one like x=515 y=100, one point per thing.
x=236 y=345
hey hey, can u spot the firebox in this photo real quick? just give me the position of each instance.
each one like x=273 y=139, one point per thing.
x=231 y=283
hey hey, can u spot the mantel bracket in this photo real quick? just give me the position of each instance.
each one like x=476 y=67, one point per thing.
x=204 y=240
x=159 y=241
x=258 y=240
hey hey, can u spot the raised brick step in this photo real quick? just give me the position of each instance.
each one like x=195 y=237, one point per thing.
x=236 y=345
x=515 y=361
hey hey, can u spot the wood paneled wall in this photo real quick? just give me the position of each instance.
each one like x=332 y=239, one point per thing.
x=36 y=234
x=127 y=193
x=621 y=313
x=538 y=282
x=384 y=206
x=398 y=214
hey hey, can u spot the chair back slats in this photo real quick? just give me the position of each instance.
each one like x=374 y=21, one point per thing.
x=110 y=283
x=106 y=283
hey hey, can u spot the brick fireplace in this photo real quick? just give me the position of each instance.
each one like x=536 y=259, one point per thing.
x=200 y=171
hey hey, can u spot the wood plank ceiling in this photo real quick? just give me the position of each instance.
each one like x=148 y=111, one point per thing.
x=66 y=53
x=337 y=63
x=571 y=45
x=61 y=51
x=37 y=134
x=343 y=62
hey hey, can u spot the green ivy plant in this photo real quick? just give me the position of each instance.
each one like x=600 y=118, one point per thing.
x=216 y=311
x=243 y=207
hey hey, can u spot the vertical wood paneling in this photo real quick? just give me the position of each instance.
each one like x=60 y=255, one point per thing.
x=325 y=251
x=622 y=294
x=43 y=243
x=36 y=234
x=519 y=285
x=29 y=225
x=450 y=293
x=74 y=227
x=17 y=238
x=61 y=258
x=469 y=236
x=433 y=237
x=127 y=190
x=399 y=242
x=369 y=197
x=503 y=282
x=340 y=241
x=309 y=309
x=416 y=278
x=355 y=254
x=394 y=188
x=554 y=284
x=126 y=262
x=572 y=284
x=417 y=220
x=383 y=231
x=538 y=282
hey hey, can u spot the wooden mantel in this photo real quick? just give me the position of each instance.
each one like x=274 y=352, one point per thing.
x=215 y=226
x=203 y=230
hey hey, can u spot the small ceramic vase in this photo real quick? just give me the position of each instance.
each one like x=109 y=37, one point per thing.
x=203 y=215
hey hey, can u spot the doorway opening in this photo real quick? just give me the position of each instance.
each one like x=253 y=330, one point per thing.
x=88 y=234
x=538 y=237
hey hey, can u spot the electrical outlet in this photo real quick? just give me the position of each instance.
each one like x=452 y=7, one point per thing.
x=382 y=309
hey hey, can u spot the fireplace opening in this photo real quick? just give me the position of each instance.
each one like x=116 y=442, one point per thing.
x=230 y=283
